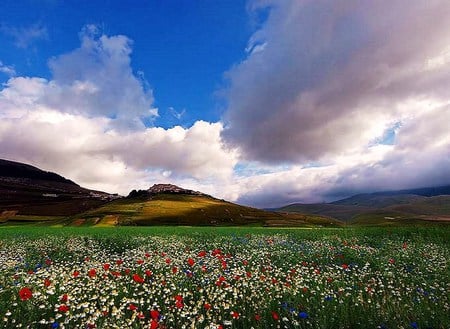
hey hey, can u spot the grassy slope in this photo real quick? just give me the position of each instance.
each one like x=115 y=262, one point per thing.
x=170 y=209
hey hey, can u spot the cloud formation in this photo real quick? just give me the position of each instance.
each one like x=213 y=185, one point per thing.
x=330 y=77
x=24 y=37
x=87 y=123
x=7 y=69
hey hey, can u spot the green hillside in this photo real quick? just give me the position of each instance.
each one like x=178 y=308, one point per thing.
x=182 y=209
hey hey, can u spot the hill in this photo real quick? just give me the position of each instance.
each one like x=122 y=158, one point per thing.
x=27 y=192
x=384 y=208
x=166 y=204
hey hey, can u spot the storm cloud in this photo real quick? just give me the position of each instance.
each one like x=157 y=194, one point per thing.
x=329 y=77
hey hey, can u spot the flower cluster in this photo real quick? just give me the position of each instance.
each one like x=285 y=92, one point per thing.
x=223 y=281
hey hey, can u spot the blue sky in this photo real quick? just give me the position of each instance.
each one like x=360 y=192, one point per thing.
x=262 y=102
x=182 y=47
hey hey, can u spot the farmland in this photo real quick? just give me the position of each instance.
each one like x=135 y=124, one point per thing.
x=184 y=277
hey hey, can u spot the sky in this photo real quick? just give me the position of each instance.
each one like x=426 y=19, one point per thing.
x=259 y=102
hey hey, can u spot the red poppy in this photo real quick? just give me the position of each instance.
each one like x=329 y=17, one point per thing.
x=64 y=298
x=245 y=262
x=92 y=273
x=148 y=273
x=63 y=308
x=154 y=324
x=47 y=282
x=137 y=278
x=190 y=262
x=119 y=262
x=106 y=267
x=257 y=317
x=154 y=314
x=207 y=306
x=179 y=301
x=75 y=273
x=167 y=260
x=392 y=260
x=174 y=269
x=132 y=307
x=48 y=262
x=25 y=293
x=235 y=315
x=147 y=255
x=249 y=274
x=140 y=261
x=202 y=253
x=141 y=315
x=344 y=266
x=275 y=316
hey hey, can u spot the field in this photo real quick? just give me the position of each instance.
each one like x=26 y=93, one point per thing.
x=184 y=277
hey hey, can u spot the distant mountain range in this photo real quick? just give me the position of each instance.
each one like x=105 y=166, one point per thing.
x=386 y=207
x=28 y=194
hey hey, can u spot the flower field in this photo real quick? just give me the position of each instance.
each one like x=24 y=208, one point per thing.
x=224 y=278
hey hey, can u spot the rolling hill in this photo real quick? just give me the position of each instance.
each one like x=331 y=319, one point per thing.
x=166 y=204
x=386 y=208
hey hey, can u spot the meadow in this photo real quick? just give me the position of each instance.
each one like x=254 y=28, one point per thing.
x=186 y=277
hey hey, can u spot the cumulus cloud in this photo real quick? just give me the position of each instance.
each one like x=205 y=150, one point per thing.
x=329 y=77
x=79 y=148
x=419 y=158
x=86 y=123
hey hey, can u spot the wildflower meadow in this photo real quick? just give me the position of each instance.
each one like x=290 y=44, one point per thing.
x=224 y=278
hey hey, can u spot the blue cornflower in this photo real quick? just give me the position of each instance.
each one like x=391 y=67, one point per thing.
x=55 y=325
x=414 y=325
x=328 y=298
x=303 y=315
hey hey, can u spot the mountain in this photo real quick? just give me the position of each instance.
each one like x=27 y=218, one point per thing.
x=386 y=207
x=29 y=191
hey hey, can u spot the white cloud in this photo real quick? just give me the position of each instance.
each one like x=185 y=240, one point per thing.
x=86 y=124
x=7 y=69
x=24 y=37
